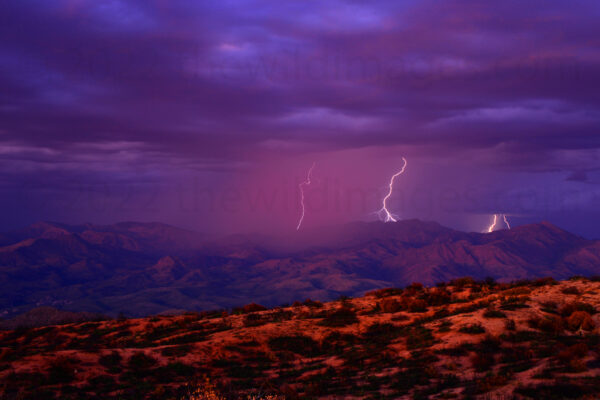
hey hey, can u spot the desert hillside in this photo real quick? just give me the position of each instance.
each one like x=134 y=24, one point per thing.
x=464 y=339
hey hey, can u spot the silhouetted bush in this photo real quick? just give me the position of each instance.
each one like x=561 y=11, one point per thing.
x=313 y=304
x=62 y=370
x=341 y=317
x=298 y=344
x=569 y=308
x=141 y=361
x=438 y=297
x=493 y=313
x=510 y=325
x=570 y=290
x=482 y=361
x=249 y=308
x=379 y=293
x=413 y=305
x=473 y=329
x=111 y=360
x=390 y=305
x=580 y=320
x=550 y=324
x=381 y=334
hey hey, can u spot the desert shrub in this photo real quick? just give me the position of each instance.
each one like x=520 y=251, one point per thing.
x=414 y=305
x=415 y=287
x=462 y=282
x=510 y=325
x=556 y=390
x=444 y=326
x=141 y=361
x=298 y=344
x=490 y=382
x=281 y=315
x=441 y=313
x=380 y=293
x=249 y=308
x=174 y=370
x=62 y=370
x=493 y=313
x=516 y=354
x=336 y=342
x=111 y=360
x=569 y=308
x=512 y=303
x=548 y=281
x=343 y=316
x=482 y=361
x=254 y=320
x=438 y=297
x=473 y=329
x=390 y=305
x=570 y=290
x=419 y=337
x=550 y=324
x=176 y=351
x=577 y=351
x=580 y=320
x=313 y=304
x=381 y=334
x=517 y=291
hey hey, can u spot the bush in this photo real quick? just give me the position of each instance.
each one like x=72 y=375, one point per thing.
x=462 y=282
x=438 y=297
x=390 y=305
x=569 y=308
x=482 y=361
x=298 y=344
x=510 y=325
x=414 y=305
x=473 y=329
x=493 y=313
x=551 y=324
x=379 y=293
x=62 y=370
x=313 y=304
x=381 y=334
x=254 y=320
x=249 y=308
x=141 y=361
x=341 y=317
x=111 y=360
x=580 y=320
x=570 y=290
x=571 y=357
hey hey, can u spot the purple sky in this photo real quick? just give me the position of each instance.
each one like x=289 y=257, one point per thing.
x=207 y=114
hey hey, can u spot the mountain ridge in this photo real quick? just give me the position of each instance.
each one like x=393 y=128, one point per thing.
x=149 y=268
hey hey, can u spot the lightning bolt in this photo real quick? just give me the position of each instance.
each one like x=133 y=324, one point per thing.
x=384 y=212
x=301 y=186
x=506 y=221
x=493 y=225
x=495 y=222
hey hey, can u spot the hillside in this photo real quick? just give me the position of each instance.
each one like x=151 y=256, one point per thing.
x=141 y=269
x=465 y=339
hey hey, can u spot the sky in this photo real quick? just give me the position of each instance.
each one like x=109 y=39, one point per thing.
x=209 y=114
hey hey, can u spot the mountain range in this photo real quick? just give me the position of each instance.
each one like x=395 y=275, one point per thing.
x=149 y=268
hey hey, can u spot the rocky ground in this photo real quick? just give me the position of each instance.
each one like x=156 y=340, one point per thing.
x=464 y=339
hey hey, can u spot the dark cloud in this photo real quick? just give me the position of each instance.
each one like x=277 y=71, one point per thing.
x=115 y=90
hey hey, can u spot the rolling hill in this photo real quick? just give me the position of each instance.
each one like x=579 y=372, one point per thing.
x=150 y=268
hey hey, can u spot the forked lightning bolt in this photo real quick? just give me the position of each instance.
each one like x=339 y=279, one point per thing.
x=384 y=212
x=495 y=222
x=301 y=186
